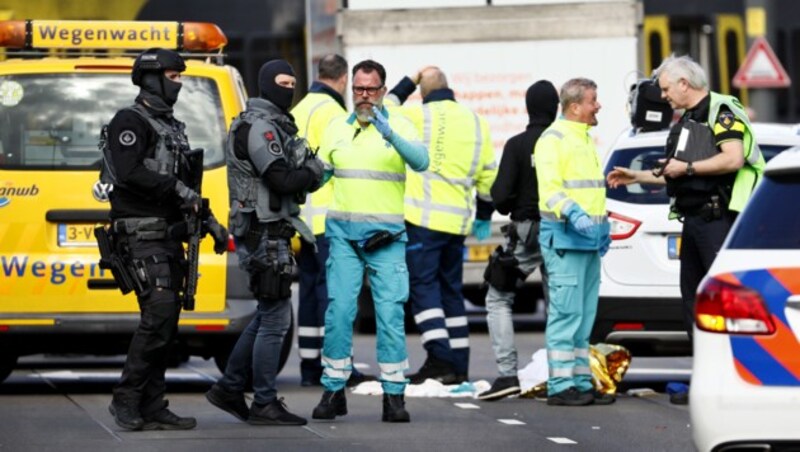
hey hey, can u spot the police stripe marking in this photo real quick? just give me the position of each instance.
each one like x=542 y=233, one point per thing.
x=561 y=440
x=510 y=422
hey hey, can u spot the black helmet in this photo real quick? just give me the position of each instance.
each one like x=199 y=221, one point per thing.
x=156 y=60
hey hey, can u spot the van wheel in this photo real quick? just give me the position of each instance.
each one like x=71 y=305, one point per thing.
x=223 y=353
x=8 y=361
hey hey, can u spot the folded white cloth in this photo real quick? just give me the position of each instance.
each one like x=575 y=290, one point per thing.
x=535 y=373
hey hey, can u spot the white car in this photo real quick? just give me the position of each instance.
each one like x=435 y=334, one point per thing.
x=745 y=389
x=640 y=301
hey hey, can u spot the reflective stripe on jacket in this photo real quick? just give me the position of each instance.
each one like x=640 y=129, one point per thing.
x=461 y=159
x=569 y=177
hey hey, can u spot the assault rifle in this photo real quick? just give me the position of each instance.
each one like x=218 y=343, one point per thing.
x=194 y=229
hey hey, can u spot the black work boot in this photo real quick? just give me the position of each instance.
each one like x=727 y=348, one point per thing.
x=126 y=415
x=571 y=397
x=332 y=404
x=394 y=408
x=165 y=419
x=601 y=398
x=232 y=402
x=435 y=369
x=273 y=413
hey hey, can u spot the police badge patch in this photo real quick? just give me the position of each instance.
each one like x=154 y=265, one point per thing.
x=726 y=119
x=127 y=138
x=275 y=148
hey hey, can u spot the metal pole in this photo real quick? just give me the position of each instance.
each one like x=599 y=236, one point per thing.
x=763 y=100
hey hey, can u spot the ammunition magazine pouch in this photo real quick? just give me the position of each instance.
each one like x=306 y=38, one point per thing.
x=142 y=228
x=159 y=271
x=272 y=279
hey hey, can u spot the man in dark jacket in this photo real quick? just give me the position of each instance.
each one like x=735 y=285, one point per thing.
x=515 y=192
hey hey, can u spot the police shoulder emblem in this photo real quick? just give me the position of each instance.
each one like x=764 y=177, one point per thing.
x=127 y=138
x=275 y=148
x=726 y=119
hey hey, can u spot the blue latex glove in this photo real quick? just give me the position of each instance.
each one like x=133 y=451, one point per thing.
x=482 y=229
x=583 y=224
x=381 y=123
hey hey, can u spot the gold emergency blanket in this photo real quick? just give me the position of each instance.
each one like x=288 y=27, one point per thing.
x=608 y=363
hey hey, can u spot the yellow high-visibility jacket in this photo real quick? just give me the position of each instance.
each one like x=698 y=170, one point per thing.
x=462 y=160
x=312 y=115
x=571 y=184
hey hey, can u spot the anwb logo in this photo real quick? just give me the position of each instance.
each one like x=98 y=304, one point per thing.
x=9 y=191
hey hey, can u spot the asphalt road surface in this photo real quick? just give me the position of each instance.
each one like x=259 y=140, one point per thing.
x=61 y=403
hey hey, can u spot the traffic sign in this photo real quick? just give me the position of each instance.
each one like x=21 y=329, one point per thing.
x=761 y=68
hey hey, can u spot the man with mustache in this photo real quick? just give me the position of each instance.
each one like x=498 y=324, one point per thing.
x=367 y=154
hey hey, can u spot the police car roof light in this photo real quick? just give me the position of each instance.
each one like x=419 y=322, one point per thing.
x=124 y=35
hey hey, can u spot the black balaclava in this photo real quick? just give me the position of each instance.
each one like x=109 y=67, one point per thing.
x=157 y=84
x=542 y=102
x=271 y=91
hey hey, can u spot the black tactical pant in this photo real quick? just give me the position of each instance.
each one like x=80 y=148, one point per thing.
x=142 y=382
x=701 y=240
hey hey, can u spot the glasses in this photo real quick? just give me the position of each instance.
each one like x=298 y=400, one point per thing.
x=371 y=90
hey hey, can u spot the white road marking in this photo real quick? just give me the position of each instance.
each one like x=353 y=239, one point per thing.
x=558 y=440
x=467 y=406
x=651 y=371
x=511 y=421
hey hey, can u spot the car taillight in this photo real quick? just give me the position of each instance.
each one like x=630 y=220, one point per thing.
x=622 y=227
x=231 y=244
x=722 y=307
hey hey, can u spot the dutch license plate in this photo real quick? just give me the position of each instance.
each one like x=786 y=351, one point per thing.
x=479 y=253
x=674 y=246
x=76 y=234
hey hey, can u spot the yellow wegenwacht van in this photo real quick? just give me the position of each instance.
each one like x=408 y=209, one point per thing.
x=60 y=83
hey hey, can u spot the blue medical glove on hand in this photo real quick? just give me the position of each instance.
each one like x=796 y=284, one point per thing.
x=583 y=224
x=381 y=123
x=482 y=229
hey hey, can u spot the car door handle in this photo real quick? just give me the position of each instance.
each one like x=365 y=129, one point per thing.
x=793 y=302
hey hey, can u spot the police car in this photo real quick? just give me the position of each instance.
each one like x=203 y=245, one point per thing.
x=640 y=302
x=61 y=82
x=745 y=389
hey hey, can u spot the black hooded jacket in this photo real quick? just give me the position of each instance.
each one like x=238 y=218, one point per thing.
x=515 y=189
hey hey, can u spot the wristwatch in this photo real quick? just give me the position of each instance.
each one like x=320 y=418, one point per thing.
x=689 y=169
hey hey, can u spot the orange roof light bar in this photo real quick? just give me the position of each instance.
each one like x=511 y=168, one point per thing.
x=202 y=37
x=110 y=34
x=12 y=34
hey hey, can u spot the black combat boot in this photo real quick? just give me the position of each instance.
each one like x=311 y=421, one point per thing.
x=126 y=415
x=435 y=369
x=394 y=408
x=332 y=404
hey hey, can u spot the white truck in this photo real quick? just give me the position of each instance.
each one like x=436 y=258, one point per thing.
x=491 y=54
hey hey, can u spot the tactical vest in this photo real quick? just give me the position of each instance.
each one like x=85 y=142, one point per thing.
x=248 y=194
x=168 y=158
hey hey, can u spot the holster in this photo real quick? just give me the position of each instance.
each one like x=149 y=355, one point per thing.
x=272 y=279
x=503 y=271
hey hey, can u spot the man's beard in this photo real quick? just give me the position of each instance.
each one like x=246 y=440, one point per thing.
x=364 y=111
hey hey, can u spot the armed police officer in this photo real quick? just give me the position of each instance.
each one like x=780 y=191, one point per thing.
x=716 y=166
x=149 y=161
x=270 y=170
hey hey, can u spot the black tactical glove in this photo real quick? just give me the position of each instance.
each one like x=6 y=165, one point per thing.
x=317 y=168
x=191 y=200
x=218 y=233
